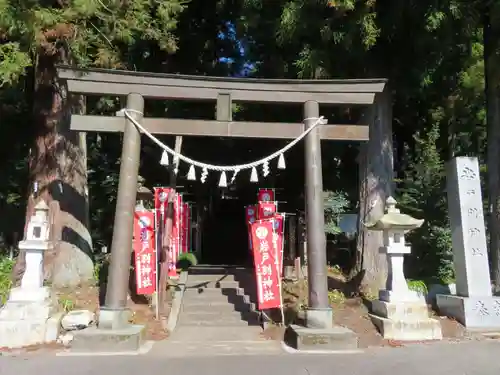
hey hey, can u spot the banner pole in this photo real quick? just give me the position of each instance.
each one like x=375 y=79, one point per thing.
x=277 y=262
x=157 y=300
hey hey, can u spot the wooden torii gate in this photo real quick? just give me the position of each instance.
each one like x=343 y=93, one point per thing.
x=137 y=86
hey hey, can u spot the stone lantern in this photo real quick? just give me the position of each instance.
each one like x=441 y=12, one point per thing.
x=143 y=194
x=34 y=246
x=30 y=315
x=394 y=225
x=400 y=313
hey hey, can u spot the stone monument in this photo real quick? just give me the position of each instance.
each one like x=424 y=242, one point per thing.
x=28 y=316
x=473 y=306
x=400 y=313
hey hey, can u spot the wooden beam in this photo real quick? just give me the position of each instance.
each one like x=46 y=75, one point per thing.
x=195 y=93
x=224 y=83
x=212 y=128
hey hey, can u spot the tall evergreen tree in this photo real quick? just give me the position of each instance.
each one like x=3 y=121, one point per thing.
x=36 y=36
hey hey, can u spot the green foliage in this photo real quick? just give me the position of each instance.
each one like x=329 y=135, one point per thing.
x=437 y=80
x=417 y=286
x=66 y=303
x=5 y=277
x=335 y=203
x=97 y=34
x=187 y=260
x=336 y=297
x=13 y=63
x=422 y=194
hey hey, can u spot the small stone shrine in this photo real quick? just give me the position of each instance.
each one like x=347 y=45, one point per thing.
x=473 y=306
x=400 y=313
x=28 y=316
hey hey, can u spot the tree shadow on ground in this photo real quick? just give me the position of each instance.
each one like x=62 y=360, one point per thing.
x=103 y=275
x=102 y=279
x=295 y=299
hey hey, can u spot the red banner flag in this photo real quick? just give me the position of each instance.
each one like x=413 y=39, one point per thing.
x=188 y=227
x=185 y=228
x=144 y=251
x=250 y=217
x=266 y=210
x=265 y=195
x=266 y=263
x=161 y=199
x=161 y=204
x=175 y=246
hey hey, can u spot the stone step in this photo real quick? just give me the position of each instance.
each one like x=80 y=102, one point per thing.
x=401 y=311
x=221 y=306
x=216 y=284
x=209 y=293
x=221 y=277
x=204 y=283
x=212 y=276
x=217 y=319
x=218 y=323
x=212 y=314
x=219 y=314
x=206 y=299
x=404 y=330
x=225 y=275
x=216 y=333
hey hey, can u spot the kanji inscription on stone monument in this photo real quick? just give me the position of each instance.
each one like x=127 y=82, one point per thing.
x=473 y=306
x=468 y=232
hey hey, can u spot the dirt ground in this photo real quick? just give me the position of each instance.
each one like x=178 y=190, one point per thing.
x=87 y=298
x=142 y=312
x=348 y=312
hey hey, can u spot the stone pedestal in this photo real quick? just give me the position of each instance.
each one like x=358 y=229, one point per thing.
x=473 y=306
x=29 y=317
x=113 y=334
x=91 y=340
x=321 y=339
x=320 y=334
x=473 y=312
x=405 y=321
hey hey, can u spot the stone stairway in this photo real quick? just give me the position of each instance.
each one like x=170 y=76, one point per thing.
x=219 y=297
x=218 y=315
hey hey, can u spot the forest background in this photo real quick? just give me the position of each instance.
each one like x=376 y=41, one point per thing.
x=441 y=58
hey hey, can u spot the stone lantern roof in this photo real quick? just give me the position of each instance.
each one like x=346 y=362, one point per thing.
x=394 y=219
x=143 y=193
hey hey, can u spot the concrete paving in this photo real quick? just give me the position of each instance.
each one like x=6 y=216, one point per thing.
x=469 y=358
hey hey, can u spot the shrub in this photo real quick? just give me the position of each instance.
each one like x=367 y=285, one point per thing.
x=6 y=265
x=186 y=260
